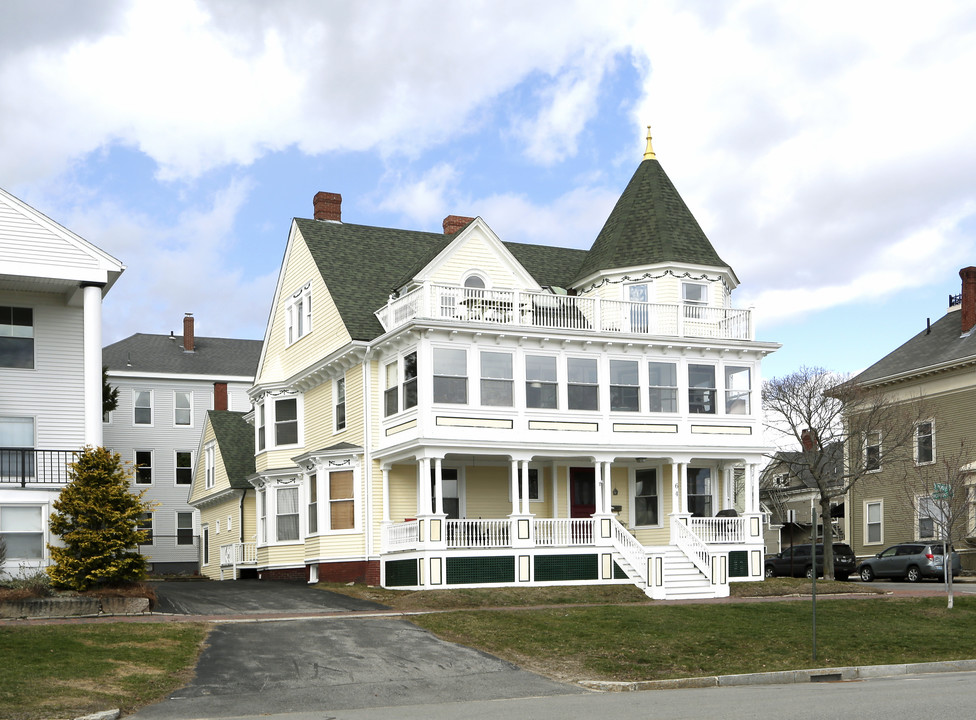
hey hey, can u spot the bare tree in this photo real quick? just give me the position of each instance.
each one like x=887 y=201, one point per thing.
x=812 y=409
x=937 y=493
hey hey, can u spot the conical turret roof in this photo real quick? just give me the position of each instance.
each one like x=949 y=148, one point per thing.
x=650 y=224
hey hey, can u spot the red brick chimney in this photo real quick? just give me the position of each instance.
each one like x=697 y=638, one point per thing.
x=328 y=206
x=454 y=223
x=808 y=438
x=188 y=332
x=968 y=307
x=220 y=396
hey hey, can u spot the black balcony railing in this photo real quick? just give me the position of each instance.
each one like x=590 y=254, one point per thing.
x=28 y=466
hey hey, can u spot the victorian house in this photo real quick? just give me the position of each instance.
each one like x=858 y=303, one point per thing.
x=453 y=410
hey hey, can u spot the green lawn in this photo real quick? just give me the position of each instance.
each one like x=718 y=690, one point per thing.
x=62 y=671
x=650 y=642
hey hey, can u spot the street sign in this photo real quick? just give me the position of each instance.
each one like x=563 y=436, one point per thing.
x=942 y=491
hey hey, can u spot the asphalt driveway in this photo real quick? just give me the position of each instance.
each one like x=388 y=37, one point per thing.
x=258 y=666
x=251 y=597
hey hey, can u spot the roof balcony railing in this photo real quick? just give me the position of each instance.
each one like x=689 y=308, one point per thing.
x=464 y=306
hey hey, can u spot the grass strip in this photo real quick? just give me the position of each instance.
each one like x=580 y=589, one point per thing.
x=651 y=642
x=59 y=671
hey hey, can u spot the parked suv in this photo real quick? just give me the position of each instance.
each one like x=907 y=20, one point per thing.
x=912 y=561
x=796 y=562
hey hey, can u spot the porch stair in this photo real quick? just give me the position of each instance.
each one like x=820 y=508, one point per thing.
x=684 y=581
x=628 y=568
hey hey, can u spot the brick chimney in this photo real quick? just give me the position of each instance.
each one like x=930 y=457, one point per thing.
x=808 y=439
x=188 y=332
x=454 y=223
x=220 y=396
x=328 y=206
x=968 y=307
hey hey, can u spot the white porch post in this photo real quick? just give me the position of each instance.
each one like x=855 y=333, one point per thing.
x=438 y=488
x=513 y=483
x=607 y=488
x=92 y=313
x=423 y=486
x=525 y=486
x=386 y=495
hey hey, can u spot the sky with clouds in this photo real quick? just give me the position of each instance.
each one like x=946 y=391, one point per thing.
x=825 y=148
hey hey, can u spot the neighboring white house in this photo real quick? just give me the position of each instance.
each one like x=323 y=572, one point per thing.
x=51 y=287
x=166 y=385
x=438 y=410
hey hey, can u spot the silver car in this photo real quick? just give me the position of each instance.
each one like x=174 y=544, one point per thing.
x=912 y=561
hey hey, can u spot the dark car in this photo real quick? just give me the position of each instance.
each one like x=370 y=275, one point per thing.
x=796 y=561
x=912 y=561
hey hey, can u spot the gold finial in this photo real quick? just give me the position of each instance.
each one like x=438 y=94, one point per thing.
x=649 y=152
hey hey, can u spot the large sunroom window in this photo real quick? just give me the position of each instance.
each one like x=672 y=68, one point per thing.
x=540 y=381
x=450 y=375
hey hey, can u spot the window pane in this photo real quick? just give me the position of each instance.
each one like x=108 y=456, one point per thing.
x=646 y=497
x=20 y=519
x=182 y=414
x=143 y=408
x=701 y=388
x=737 y=387
x=497 y=393
x=660 y=374
x=624 y=392
x=16 y=337
x=16 y=432
x=540 y=367
x=184 y=468
x=581 y=370
x=450 y=390
x=496 y=365
x=450 y=362
x=143 y=467
x=343 y=516
x=623 y=372
x=286 y=422
x=340 y=485
x=24 y=546
x=540 y=395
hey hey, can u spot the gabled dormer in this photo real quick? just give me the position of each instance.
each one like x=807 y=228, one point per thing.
x=651 y=248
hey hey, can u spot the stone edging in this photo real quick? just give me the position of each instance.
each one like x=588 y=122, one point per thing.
x=57 y=607
x=784 y=677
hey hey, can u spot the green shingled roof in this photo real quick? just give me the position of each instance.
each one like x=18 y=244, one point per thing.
x=649 y=224
x=235 y=438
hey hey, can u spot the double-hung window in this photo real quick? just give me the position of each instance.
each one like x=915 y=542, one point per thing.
x=701 y=389
x=700 y=492
x=540 y=381
x=22 y=531
x=342 y=502
x=451 y=375
x=183 y=408
x=391 y=389
x=144 y=467
x=16 y=447
x=184 y=467
x=646 y=503
x=409 y=380
x=16 y=337
x=286 y=421
x=928 y=513
x=313 y=504
x=924 y=443
x=873 y=522
x=582 y=384
x=872 y=451
x=184 y=528
x=695 y=297
x=145 y=524
x=662 y=381
x=262 y=516
x=298 y=314
x=624 y=386
x=286 y=514
x=260 y=412
x=738 y=387
x=496 y=379
x=340 y=404
x=142 y=407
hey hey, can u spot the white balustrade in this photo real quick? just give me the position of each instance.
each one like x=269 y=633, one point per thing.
x=479 y=533
x=627 y=545
x=691 y=545
x=401 y=536
x=565 y=312
x=719 y=529
x=565 y=532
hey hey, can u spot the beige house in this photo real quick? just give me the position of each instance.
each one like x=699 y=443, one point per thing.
x=452 y=410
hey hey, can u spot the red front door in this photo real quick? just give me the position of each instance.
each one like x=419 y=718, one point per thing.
x=582 y=492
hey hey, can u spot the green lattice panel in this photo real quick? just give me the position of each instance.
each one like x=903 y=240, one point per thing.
x=739 y=563
x=618 y=572
x=477 y=570
x=567 y=567
x=401 y=573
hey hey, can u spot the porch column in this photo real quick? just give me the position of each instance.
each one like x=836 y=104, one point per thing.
x=607 y=488
x=92 y=315
x=525 y=487
x=513 y=483
x=679 y=500
x=386 y=495
x=752 y=488
x=423 y=486
x=438 y=488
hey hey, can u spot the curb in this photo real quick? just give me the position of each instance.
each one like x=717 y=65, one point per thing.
x=786 y=677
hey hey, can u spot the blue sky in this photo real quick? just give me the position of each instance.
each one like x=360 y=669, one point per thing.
x=832 y=164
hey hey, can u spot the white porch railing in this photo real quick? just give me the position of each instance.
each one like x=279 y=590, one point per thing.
x=690 y=544
x=719 y=529
x=551 y=532
x=401 y=536
x=565 y=312
x=479 y=533
x=632 y=551
x=238 y=554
